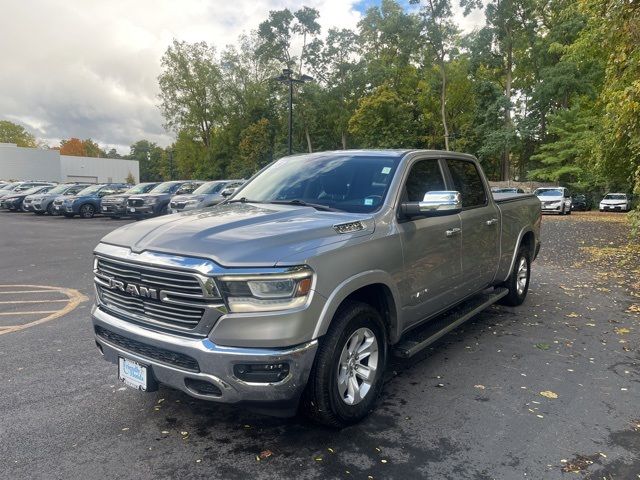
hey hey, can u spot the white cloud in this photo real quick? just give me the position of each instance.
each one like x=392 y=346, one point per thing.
x=89 y=68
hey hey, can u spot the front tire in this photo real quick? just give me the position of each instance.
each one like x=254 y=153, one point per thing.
x=348 y=371
x=518 y=281
x=87 y=211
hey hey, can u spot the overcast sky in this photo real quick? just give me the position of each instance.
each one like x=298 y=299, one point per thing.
x=89 y=68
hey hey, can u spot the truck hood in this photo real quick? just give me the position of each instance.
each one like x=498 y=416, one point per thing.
x=240 y=234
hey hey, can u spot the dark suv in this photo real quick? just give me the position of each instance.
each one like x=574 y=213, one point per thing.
x=87 y=202
x=156 y=202
x=116 y=205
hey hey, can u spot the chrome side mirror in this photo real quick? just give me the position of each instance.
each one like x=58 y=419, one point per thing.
x=436 y=203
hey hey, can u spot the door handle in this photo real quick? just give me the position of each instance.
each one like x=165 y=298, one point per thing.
x=453 y=231
x=493 y=221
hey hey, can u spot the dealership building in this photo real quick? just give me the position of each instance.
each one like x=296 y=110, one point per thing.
x=18 y=163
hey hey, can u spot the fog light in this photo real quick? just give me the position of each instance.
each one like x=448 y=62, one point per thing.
x=261 y=372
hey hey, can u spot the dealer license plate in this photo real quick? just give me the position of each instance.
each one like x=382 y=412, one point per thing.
x=132 y=374
x=132 y=210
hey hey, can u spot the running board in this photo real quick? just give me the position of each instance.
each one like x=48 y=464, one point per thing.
x=423 y=336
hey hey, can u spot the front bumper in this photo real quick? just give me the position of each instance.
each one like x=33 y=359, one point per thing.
x=114 y=210
x=142 y=211
x=215 y=363
x=619 y=208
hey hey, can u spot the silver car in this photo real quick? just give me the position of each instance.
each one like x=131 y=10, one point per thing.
x=554 y=200
x=204 y=196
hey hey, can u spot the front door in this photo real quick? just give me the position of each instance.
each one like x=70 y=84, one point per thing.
x=480 y=227
x=431 y=248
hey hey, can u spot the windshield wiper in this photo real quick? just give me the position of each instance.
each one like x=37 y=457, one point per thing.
x=242 y=200
x=302 y=203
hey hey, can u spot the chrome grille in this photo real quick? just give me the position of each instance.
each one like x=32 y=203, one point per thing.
x=180 y=304
x=135 y=202
x=58 y=202
x=163 y=279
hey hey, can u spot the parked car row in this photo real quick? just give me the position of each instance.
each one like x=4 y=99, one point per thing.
x=114 y=199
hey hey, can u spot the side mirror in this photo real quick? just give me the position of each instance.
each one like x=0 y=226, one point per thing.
x=227 y=192
x=434 y=204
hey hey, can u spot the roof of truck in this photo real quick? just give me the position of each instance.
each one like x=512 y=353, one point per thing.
x=399 y=153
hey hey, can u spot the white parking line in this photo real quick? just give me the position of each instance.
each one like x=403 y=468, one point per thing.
x=27 y=313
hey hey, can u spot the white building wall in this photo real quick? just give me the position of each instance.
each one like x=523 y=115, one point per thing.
x=97 y=170
x=18 y=163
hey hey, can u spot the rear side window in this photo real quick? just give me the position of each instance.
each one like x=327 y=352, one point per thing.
x=467 y=181
x=425 y=176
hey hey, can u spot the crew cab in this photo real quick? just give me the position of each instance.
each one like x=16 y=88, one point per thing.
x=116 y=205
x=296 y=290
x=86 y=202
x=156 y=201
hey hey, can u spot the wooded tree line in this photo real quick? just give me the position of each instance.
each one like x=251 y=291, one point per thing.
x=546 y=90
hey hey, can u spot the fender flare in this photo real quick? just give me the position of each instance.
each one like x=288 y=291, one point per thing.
x=521 y=235
x=350 y=285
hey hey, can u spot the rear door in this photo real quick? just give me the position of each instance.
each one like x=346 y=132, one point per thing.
x=480 y=223
x=430 y=246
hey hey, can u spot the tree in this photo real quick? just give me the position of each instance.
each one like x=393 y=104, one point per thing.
x=254 y=150
x=383 y=120
x=13 y=133
x=439 y=33
x=131 y=180
x=73 y=146
x=190 y=89
x=152 y=160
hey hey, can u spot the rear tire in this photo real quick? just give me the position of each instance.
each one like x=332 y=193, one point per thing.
x=50 y=209
x=340 y=390
x=518 y=281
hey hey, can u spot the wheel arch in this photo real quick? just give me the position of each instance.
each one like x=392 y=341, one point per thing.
x=373 y=287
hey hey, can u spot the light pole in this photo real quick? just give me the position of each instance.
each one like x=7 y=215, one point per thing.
x=288 y=78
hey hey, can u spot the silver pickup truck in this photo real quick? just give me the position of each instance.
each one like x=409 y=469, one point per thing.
x=295 y=291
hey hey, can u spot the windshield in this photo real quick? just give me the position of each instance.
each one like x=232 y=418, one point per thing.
x=615 y=196
x=8 y=186
x=33 y=190
x=209 y=188
x=549 y=193
x=59 y=189
x=89 y=190
x=339 y=181
x=141 y=188
x=166 y=187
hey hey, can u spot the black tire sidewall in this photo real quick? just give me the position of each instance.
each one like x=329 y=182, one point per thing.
x=351 y=318
x=87 y=207
x=514 y=298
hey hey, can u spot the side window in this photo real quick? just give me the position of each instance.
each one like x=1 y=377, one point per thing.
x=467 y=181
x=106 y=191
x=425 y=176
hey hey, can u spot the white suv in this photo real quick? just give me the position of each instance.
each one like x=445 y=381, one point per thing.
x=615 y=201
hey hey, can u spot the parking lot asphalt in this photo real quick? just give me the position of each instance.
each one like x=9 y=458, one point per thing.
x=539 y=391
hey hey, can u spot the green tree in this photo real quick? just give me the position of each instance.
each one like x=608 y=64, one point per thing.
x=190 y=89
x=254 y=150
x=13 y=133
x=383 y=120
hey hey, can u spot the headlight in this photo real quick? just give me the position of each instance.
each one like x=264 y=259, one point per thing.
x=268 y=292
x=150 y=200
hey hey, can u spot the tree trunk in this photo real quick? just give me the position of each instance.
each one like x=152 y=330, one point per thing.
x=306 y=134
x=504 y=167
x=344 y=140
x=443 y=108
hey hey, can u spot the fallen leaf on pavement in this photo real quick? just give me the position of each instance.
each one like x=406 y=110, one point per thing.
x=549 y=394
x=265 y=454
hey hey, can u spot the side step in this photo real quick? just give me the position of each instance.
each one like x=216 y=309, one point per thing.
x=421 y=337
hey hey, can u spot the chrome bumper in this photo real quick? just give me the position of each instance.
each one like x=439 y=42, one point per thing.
x=215 y=362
